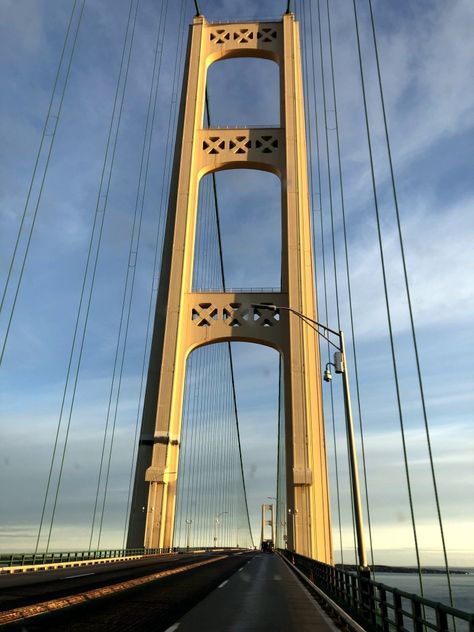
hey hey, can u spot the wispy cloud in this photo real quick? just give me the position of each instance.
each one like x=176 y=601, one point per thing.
x=427 y=54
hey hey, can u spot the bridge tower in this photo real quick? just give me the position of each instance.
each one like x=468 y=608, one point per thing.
x=267 y=522
x=185 y=320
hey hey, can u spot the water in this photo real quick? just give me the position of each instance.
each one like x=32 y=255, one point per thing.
x=435 y=587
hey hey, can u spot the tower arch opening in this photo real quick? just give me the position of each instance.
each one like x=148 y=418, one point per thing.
x=210 y=508
x=249 y=206
x=244 y=92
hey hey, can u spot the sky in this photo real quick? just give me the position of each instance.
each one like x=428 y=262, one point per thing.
x=427 y=55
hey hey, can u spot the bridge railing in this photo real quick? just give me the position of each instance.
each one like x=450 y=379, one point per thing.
x=65 y=557
x=378 y=607
x=33 y=559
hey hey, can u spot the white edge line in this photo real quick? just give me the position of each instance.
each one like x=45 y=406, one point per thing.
x=173 y=627
x=223 y=584
x=80 y=575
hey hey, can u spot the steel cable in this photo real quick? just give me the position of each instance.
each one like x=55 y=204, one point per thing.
x=134 y=248
x=45 y=170
x=221 y=262
x=387 y=302
x=324 y=270
x=96 y=256
x=410 y=307
x=158 y=241
x=348 y=279
x=79 y=311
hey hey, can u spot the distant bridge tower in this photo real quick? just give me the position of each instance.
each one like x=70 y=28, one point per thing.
x=268 y=522
x=186 y=320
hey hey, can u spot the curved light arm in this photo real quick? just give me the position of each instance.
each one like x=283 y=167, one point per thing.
x=309 y=321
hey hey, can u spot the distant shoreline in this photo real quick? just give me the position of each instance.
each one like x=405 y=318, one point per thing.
x=378 y=568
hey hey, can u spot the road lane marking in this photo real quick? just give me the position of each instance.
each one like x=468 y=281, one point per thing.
x=173 y=627
x=80 y=575
x=223 y=584
x=241 y=568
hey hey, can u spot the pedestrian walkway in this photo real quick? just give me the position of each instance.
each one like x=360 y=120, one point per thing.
x=263 y=596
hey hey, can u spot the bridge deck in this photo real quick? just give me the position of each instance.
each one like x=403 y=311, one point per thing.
x=264 y=595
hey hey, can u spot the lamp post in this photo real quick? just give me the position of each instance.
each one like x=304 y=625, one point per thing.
x=218 y=515
x=340 y=366
x=188 y=532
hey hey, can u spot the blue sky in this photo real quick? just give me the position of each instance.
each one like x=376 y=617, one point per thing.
x=427 y=54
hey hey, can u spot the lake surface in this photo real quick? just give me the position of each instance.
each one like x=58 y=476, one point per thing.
x=435 y=587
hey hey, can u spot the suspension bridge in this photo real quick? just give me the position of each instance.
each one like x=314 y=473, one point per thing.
x=208 y=327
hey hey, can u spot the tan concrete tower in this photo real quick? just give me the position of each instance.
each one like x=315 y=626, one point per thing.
x=185 y=320
x=267 y=510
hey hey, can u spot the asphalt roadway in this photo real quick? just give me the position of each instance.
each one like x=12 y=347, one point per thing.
x=263 y=596
x=20 y=589
x=153 y=606
x=244 y=592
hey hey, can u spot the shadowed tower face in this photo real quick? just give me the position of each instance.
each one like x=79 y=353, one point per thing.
x=186 y=320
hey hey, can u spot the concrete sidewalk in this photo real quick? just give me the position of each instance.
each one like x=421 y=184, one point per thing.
x=263 y=596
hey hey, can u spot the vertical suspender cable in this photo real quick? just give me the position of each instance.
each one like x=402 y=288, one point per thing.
x=96 y=256
x=323 y=257
x=40 y=148
x=221 y=261
x=387 y=303
x=333 y=240
x=409 y=302
x=351 y=314
x=48 y=158
x=134 y=246
x=76 y=328
x=158 y=240
x=279 y=538
x=328 y=166
x=184 y=449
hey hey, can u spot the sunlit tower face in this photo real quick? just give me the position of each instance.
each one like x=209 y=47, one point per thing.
x=187 y=319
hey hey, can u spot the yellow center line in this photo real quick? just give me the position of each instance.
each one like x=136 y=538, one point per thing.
x=44 y=607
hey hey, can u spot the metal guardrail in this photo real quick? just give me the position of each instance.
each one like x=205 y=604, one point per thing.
x=378 y=607
x=65 y=557
x=243 y=20
x=33 y=559
x=238 y=290
x=243 y=127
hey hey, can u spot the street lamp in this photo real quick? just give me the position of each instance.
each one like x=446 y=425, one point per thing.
x=188 y=532
x=340 y=366
x=218 y=515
